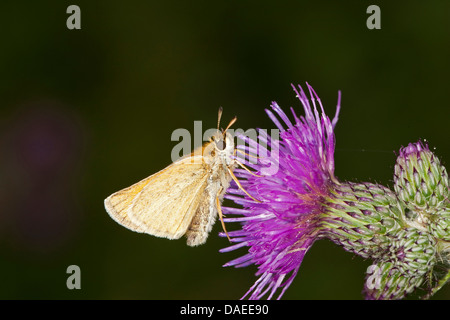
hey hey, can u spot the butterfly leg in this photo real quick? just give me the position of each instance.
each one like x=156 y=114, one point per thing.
x=239 y=185
x=245 y=153
x=219 y=211
x=242 y=165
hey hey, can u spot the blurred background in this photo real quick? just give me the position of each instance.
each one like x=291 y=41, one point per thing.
x=84 y=113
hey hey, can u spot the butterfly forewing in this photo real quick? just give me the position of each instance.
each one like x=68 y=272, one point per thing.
x=118 y=203
x=167 y=205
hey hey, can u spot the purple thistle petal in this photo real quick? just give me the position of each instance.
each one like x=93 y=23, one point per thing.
x=338 y=109
x=231 y=248
x=275 y=120
x=282 y=115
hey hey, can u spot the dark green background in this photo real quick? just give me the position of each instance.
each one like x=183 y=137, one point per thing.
x=84 y=113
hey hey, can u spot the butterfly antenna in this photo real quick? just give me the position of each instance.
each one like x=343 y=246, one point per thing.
x=229 y=125
x=220 y=116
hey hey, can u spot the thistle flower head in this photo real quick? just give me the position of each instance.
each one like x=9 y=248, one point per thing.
x=280 y=229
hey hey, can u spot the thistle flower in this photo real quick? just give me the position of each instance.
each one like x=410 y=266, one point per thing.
x=406 y=232
x=281 y=228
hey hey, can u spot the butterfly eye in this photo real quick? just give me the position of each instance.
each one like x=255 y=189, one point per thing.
x=221 y=145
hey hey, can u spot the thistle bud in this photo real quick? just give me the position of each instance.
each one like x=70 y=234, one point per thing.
x=422 y=184
x=403 y=267
x=420 y=180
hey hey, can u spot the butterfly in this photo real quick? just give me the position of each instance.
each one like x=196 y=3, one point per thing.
x=185 y=197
